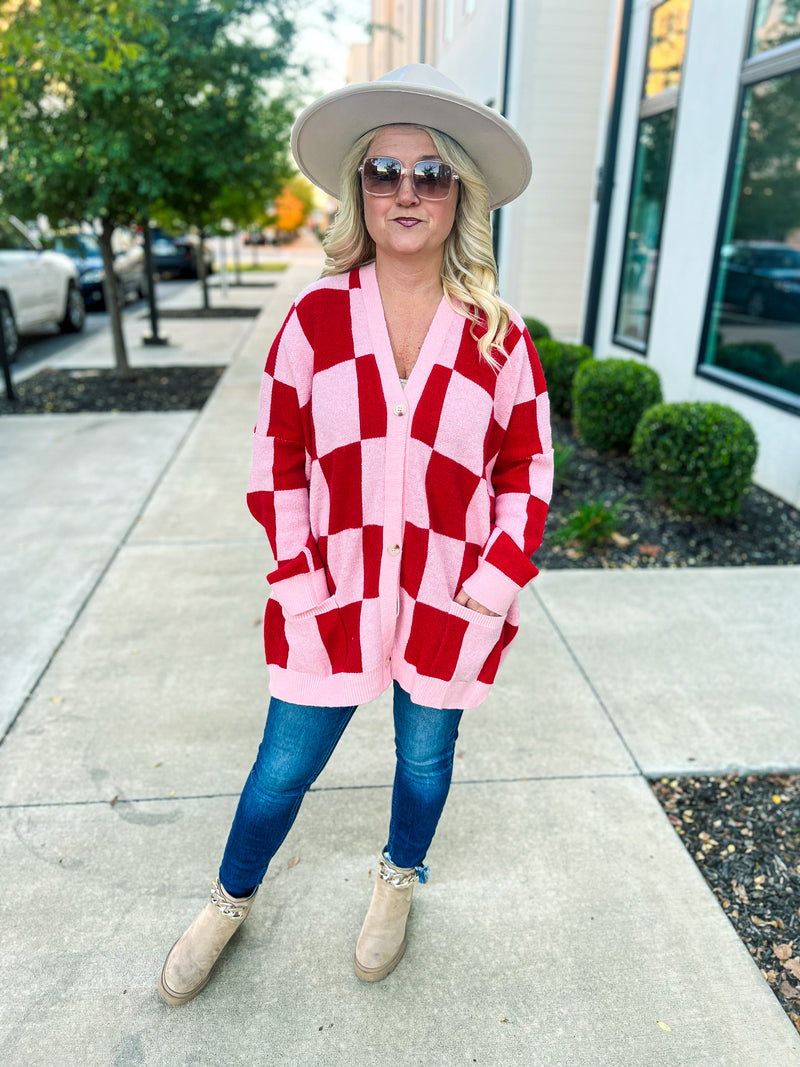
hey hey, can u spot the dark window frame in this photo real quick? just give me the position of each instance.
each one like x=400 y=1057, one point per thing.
x=756 y=69
x=649 y=107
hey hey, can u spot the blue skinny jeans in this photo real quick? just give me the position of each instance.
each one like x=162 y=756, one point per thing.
x=297 y=743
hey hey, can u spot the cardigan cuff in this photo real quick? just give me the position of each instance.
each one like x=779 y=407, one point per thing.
x=492 y=588
x=300 y=592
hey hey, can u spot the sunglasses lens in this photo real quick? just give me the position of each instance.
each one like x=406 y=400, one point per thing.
x=381 y=176
x=432 y=179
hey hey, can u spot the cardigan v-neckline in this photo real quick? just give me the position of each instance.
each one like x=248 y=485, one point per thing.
x=442 y=323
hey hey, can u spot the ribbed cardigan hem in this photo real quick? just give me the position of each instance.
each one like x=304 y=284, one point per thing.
x=345 y=690
x=327 y=690
x=438 y=692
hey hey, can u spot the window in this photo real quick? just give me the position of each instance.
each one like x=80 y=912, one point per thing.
x=669 y=24
x=752 y=336
x=11 y=240
x=776 y=22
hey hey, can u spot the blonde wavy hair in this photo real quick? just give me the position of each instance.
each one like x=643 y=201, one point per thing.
x=469 y=271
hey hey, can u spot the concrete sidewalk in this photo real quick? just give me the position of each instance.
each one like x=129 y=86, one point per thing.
x=564 y=921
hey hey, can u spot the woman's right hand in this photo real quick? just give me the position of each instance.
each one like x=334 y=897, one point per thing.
x=467 y=602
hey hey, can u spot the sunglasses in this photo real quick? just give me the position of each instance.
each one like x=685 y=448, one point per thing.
x=430 y=178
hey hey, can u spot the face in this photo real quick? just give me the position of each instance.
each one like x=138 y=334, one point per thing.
x=404 y=226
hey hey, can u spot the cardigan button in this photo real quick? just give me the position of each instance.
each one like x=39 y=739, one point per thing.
x=399 y=409
x=393 y=550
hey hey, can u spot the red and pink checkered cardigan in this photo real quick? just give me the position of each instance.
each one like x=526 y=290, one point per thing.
x=380 y=503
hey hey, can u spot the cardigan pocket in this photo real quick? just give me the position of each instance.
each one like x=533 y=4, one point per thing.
x=316 y=639
x=468 y=640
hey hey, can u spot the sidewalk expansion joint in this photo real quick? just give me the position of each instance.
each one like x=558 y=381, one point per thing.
x=621 y=775
x=584 y=674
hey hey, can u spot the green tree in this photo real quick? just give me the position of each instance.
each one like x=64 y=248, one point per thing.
x=32 y=47
x=232 y=148
x=164 y=104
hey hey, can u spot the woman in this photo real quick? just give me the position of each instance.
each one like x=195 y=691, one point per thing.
x=402 y=470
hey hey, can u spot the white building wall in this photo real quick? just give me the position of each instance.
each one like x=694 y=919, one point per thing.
x=558 y=95
x=401 y=30
x=474 y=57
x=706 y=120
x=357 y=63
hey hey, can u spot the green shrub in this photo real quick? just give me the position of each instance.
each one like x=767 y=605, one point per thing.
x=609 y=397
x=537 y=329
x=755 y=359
x=699 y=457
x=560 y=361
x=592 y=523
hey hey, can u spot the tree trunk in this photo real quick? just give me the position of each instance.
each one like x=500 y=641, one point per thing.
x=111 y=291
x=201 y=269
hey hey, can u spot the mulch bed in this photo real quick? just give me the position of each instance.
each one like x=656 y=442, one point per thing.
x=744 y=835
x=148 y=389
x=650 y=535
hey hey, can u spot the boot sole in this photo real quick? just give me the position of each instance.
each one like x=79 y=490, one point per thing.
x=377 y=974
x=178 y=999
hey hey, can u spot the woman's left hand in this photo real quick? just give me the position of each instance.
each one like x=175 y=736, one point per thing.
x=467 y=602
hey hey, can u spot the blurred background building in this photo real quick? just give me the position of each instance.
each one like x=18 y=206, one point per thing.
x=663 y=219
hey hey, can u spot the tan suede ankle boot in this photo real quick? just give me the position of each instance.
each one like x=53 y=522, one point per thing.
x=191 y=959
x=383 y=938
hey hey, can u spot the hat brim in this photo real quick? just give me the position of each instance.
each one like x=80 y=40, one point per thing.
x=325 y=131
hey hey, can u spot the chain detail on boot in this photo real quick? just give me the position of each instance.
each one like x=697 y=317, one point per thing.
x=191 y=959
x=399 y=877
x=383 y=939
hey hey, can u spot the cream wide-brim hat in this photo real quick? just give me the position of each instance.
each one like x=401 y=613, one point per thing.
x=420 y=96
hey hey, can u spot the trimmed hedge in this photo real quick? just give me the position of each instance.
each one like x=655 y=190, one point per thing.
x=609 y=397
x=698 y=457
x=560 y=361
x=537 y=329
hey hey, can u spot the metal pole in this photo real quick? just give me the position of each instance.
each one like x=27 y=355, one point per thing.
x=152 y=338
x=223 y=265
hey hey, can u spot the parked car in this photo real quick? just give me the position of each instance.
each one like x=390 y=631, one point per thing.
x=177 y=256
x=763 y=279
x=84 y=250
x=254 y=236
x=37 y=286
